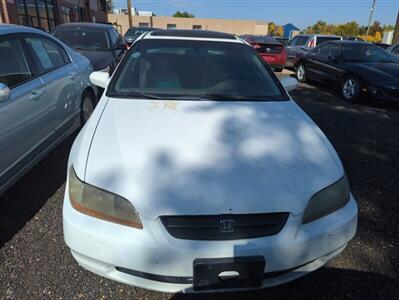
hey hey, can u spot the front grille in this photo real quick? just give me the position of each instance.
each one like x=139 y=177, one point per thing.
x=224 y=227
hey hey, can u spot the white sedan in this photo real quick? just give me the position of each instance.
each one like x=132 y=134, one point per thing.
x=197 y=172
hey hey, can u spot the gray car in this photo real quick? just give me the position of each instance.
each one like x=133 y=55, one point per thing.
x=394 y=49
x=304 y=41
x=45 y=95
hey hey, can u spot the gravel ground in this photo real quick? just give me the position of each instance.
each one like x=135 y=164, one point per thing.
x=35 y=263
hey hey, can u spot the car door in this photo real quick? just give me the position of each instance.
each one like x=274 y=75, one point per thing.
x=59 y=76
x=22 y=117
x=325 y=64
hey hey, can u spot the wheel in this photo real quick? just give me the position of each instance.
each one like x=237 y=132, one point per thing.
x=278 y=70
x=87 y=106
x=350 y=88
x=301 y=73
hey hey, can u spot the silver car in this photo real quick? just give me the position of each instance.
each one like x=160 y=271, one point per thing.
x=302 y=41
x=45 y=95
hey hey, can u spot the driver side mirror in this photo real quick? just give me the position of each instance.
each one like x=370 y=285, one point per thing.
x=121 y=45
x=5 y=92
x=100 y=79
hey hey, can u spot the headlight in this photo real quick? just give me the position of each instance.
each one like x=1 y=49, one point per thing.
x=327 y=200
x=98 y=203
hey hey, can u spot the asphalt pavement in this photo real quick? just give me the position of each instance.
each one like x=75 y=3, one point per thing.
x=36 y=264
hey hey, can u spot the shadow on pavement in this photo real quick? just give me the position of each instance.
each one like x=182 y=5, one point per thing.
x=326 y=283
x=25 y=198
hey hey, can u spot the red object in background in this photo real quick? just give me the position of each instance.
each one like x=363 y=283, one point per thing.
x=271 y=50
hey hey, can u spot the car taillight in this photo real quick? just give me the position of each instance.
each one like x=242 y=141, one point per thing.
x=283 y=53
x=311 y=43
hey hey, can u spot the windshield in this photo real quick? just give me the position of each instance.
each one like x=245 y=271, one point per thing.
x=366 y=53
x=83 y=38
x=195 y=70
x=298 y=41
x=137 y=31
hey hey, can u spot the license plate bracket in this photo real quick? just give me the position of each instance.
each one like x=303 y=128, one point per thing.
x=250 y=271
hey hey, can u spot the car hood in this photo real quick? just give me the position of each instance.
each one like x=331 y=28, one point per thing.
x=384 y=71
x=99 y=59
x=204 y=157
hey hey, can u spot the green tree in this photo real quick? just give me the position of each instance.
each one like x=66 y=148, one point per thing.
x=183 y=14
x=271 y=28
x=110 y=6
x=375 y=28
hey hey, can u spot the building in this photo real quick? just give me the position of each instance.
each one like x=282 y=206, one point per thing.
x=238 y=27
x=290 y=30
x=135 y=12
x=46 y=14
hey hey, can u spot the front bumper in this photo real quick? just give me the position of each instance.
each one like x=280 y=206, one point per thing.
x=117 y=252
x=385 y=93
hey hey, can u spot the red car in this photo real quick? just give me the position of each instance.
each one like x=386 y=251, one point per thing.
x=270 y=49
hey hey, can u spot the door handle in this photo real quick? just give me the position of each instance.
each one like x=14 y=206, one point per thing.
x=35 y=95
x=72 y=75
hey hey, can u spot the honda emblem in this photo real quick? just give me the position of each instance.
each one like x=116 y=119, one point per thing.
x=227 y=226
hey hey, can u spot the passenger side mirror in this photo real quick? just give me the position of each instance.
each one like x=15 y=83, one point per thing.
x=100 y=79
x=5 y=92
x=289 y=83
x=121 y=45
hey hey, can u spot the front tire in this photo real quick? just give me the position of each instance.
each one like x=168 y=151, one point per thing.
x=350 y=88
x=86 y=106
x=301 y=73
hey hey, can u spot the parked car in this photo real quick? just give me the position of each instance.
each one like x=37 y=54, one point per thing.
x=394 y=49
x=100 y=43
x=306 y=41
x=355 y=67
x=216 y=180
x=282 y=40
x=134 y=32
x=270 y=49
x=45 y=95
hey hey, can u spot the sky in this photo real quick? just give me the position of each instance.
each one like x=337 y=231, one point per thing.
x=301 y=13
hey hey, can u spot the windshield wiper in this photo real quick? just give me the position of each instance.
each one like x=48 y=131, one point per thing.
x=135 y=95
x=221 y=97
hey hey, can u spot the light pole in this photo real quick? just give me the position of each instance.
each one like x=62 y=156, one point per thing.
x=371 y=16
x=129 y=12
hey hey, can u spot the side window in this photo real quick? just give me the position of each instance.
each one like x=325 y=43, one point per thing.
x=114 y=36
x=334 y=51
x=46 y=53
x=14 y=67
x=324 y=50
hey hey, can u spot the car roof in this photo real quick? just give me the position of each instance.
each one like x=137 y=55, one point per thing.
x=349 y=42
x=319 y=35
x=12 y=28
x=260 y=39
x=204 y=35
x=84 y=24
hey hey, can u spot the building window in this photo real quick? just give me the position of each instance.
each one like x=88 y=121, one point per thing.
x=171 y=26
x=144 y=24
x=66 y=14
x=36 y=13
x=197 y=27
